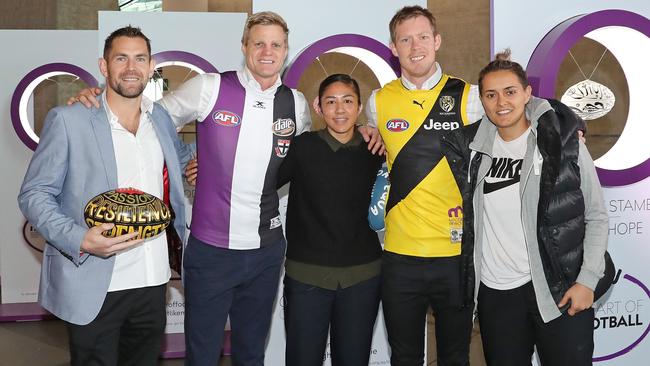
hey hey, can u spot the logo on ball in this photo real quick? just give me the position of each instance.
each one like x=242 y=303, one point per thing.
x=131 y=210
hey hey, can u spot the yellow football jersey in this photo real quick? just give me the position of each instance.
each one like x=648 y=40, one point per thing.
x=424 y=206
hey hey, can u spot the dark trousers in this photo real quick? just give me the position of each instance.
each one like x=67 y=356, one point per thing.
x=409 y=285
x=127 y=331
x=511 y=327
x=349 y=314
x=221 y=282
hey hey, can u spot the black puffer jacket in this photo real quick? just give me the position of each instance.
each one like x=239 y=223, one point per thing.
x=560 y=216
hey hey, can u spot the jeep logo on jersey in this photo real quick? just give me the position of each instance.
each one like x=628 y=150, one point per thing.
x=226 y=118
x=397 y=125
x=447 y=103
x=447 y=126
x=284 y=127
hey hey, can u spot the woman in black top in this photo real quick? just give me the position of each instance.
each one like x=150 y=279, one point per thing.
x=333 y=257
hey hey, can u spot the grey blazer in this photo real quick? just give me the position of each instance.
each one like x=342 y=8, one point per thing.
x=74 y=162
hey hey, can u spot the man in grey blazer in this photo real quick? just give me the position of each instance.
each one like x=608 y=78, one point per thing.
x=110 y=291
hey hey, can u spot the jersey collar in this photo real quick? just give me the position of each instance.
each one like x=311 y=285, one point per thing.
x=430 y=83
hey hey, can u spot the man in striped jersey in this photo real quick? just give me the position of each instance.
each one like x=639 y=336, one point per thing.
x=247 y=119
x=236 y=248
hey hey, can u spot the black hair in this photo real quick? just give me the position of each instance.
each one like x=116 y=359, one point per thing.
x=341 y=78
x=128 y=31
x=502 y=62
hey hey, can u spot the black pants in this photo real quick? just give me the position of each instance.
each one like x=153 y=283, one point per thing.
x=511 y=327
x=409 y=285
x=127 y=331
x=349 y=314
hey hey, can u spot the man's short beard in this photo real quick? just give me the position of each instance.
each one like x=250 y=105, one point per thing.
x=118 y=89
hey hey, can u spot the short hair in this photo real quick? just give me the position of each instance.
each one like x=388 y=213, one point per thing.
x=128 y=31
x=409 y=12
x=265 y=18
x=502 y=62
x=341 y=78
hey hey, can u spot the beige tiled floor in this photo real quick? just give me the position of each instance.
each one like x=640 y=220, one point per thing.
x=45 y=343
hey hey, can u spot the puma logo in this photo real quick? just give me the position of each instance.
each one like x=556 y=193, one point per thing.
x=421 y=104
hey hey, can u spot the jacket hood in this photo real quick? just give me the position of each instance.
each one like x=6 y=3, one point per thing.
x=486 y=132
x=535 y=108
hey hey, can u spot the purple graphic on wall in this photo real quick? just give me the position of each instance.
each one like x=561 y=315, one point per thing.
x=27 y=84
x=544 y=65
x=309 y=54
x=21 y=92
x=636 y=342
x=187 y=57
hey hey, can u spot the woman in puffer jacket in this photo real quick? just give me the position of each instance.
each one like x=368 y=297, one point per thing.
x=535 y=225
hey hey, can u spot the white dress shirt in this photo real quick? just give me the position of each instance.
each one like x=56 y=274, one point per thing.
x=474 y=107
x=140 y=162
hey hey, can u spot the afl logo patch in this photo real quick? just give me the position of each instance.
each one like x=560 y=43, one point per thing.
x=284 y=127
x=397 y=125
x=226 y=118
x=447 y=103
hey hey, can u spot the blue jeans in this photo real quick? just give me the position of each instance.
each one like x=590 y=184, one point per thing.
x=221 y=282
x=349 y=314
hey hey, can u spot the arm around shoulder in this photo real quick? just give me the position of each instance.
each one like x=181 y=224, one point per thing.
x=193 y=100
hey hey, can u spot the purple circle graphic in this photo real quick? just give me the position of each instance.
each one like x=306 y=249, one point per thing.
x=308 y=55
x=28 y=79
x=190 y=58
x=544 y=65
x=638 y=340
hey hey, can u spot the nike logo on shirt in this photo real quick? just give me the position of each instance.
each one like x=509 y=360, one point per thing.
x=495 y=186
x=502 y=168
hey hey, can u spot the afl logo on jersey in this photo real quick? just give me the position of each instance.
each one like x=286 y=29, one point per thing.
x=226 y=118
x=284 y=127
x=397 y=125
x=447 y=103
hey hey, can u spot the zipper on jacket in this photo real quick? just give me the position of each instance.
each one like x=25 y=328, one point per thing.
x=521 y=201
x=477 y=279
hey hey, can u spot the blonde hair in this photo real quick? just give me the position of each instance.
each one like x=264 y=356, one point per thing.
x=265 y=18
x=409 y=12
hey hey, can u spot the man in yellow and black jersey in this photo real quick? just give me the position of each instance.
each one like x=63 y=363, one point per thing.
x=423 y=211
x=420 y=264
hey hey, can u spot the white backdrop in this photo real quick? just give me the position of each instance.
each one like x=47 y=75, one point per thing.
x=20 y=263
